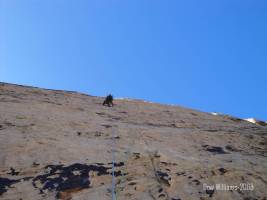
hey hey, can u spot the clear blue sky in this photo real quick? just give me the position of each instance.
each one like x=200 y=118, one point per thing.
x=209 y=55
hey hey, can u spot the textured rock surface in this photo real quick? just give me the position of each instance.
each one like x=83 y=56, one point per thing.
x=59 y=145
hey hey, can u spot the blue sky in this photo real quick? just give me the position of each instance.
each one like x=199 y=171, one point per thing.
x=208 y=55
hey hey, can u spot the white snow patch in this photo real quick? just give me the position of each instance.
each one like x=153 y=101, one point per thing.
x=252 y=120
x=214 y=113
x=217 y=114
x=256 y=121
x=147 y=101
x=124 y=98
x=129 y=99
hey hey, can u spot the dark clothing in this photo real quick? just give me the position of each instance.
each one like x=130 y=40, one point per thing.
x=108 y=101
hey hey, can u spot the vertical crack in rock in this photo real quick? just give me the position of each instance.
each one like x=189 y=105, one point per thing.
x=161 y=177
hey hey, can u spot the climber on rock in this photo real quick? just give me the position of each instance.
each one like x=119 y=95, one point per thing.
x=108 y=101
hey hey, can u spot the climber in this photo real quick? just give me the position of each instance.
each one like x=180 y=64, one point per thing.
x=108 y=101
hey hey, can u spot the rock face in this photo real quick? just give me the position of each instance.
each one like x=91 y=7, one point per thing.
x=66 y=145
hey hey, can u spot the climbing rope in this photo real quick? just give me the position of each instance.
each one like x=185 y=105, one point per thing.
x=113 y=184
